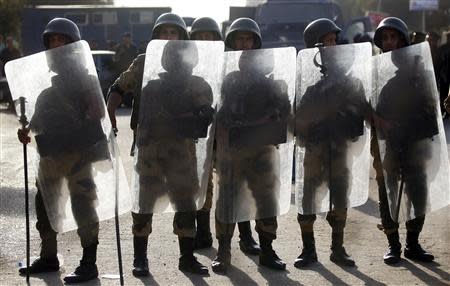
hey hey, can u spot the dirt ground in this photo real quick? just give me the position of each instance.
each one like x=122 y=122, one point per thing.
x=363 y=240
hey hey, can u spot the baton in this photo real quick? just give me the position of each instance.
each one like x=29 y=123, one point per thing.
x=23 y=120
x=116 y=208
x=399 y=199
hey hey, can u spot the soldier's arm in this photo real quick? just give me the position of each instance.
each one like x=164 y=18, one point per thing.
x=447 y=103
x=126 y=82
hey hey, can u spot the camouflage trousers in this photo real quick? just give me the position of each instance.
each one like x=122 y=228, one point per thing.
x=389 y=225
x=53 y=195
x=336 y=219
x=325 y=163
x=167 y=175
x=266 y=227
x=183 y=224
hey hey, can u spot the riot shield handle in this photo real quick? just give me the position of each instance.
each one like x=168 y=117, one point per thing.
x=24 y=121
x=323 y=68
x=23 y=118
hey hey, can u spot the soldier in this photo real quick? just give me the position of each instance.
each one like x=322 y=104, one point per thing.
x=392 y=34
x=329 y=115
x=248 y=162
x=55 y=111
x=168 y=26
x=206 y=29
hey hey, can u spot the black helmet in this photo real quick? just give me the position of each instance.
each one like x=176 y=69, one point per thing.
x=61 y=26
x=391 y=23
x=315 y=30
x=205 y=24
x=243 y=25
x=170 y=19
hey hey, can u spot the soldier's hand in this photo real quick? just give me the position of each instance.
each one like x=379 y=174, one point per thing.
x=115 y=130
x=114 y=101
x=22 y=134
x=447 y=103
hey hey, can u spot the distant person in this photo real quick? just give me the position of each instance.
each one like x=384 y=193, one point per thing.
x=2 y=42
x=93 y=44
x=126 y=52
x=444 y=73
x=417 y=37
x=9 y=53
x=111 y=45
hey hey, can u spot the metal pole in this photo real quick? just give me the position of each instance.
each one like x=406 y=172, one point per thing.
x=116 y=208
x=23 y=120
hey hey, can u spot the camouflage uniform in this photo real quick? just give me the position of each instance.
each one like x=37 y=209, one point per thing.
x=249 y=99
x=160 y=150
x=66 y=122
x=326 y=144
x=339 y=105
x=401 y=148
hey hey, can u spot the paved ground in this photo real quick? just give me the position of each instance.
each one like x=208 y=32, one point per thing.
x=363 y=241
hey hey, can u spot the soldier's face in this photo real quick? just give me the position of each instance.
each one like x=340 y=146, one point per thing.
x=329 y=39
x=56 y=40
x=169 y=32
x=391 y=40
x=243 y=41
x=204 y=36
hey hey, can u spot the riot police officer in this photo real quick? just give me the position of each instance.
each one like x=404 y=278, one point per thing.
x=323 y=31
x=206 y=29
x=392 y=34
x=168 y=26
x=244 y=34
x=54 y=110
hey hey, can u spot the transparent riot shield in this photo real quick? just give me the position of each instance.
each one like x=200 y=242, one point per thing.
x=254 y=137
x=175 y=128
x=411 y=137
x=72 y=135
x=332 y=132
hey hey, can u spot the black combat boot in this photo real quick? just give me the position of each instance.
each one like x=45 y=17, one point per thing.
x=392 y=256
x=246 y=243
x=414 y=251
x=203 y=238
x=338 y=254
x=140 y=262
x=308 y=255
x=47 y=261
x=222 y=261
x=87 y=269
x=187 y=261
x=268 y=257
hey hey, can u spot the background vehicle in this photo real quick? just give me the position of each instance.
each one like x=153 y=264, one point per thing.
x=101 y=23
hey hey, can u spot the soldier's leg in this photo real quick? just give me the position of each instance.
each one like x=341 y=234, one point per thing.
x=389 y=227
x=314 y=166
x=263 y=181
x=184 y=227
x=151 y=185
x=413 y=250
x=417 y=192
x=142 y=227
x=84 y=199
x=48 y=260
x=203 y=237
x=308 y=255
x=337 y=219
x=267 y=231
x=224 y=233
